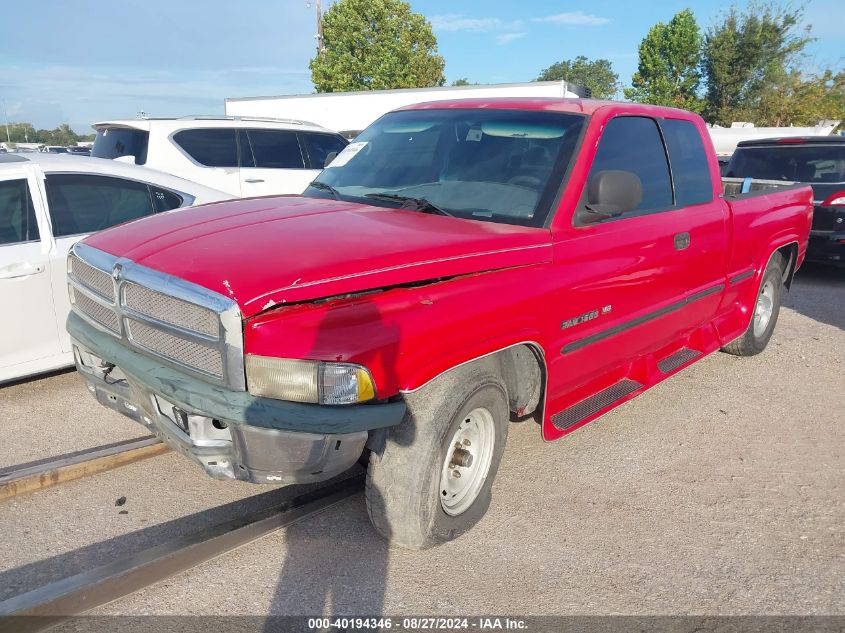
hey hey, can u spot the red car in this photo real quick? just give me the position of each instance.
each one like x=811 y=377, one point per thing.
x=460 y=266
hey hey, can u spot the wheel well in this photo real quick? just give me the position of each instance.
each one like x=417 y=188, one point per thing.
x=524 y=372
x=790 y=256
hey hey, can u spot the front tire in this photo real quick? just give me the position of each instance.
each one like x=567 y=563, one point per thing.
x=433 y=480
x=766 y=309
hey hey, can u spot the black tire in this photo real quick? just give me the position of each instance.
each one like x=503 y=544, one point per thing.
x=750 y=343
x=403 y=483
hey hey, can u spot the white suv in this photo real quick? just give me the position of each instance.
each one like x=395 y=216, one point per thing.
x=241 y=156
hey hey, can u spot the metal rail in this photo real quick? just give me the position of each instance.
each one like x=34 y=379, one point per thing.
x=26 y=478
x=47 y=606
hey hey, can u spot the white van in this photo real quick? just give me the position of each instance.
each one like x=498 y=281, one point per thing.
x=241 y=156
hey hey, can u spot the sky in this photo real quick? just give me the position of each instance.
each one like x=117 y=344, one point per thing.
x=89 y=60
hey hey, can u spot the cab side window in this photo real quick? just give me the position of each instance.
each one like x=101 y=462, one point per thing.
x=633 y=144
x=18 y=223
x=84 y=204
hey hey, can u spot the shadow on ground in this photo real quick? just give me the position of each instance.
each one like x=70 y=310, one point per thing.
x=819 y=293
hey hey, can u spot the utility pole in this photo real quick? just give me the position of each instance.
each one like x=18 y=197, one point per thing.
x=319 y=34
x=6 y=116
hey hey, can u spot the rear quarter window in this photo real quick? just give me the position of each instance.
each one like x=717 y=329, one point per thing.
x=210 y=147
x=690 y=167
x=115 y=142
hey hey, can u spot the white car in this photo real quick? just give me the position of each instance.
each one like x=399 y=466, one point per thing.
x=48 y=202
x=242 y=156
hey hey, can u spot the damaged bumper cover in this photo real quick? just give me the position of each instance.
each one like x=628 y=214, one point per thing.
x=231 y=434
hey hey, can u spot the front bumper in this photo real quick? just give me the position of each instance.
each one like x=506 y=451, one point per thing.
x=231 y=434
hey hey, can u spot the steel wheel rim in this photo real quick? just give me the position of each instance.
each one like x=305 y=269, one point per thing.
x=764 y=308
x=475 y=436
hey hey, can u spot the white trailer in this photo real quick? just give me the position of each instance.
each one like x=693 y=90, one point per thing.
x=351 y=112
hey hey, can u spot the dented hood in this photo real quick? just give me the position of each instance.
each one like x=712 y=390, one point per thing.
x=263 y=252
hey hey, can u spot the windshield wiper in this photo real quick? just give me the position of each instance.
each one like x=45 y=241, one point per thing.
x=325 y=187
x=419 y=204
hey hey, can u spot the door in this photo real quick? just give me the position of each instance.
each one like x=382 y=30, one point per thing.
x=273 y=163
x=80 y=204
x=634 y=283
x=211 y=158
x=28 y=331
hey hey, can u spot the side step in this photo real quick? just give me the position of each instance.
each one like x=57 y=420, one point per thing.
x=586 y=408
x=676 y=359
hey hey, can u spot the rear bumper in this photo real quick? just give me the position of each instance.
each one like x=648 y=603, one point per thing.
x=231 y=434
x=826 y=247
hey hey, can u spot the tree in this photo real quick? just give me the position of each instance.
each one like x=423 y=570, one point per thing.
x=26 y=133
x=374 y=45
x=745 y=56
x=793 y=98
x=668 y=72
x=597 y=75
x=463 y=81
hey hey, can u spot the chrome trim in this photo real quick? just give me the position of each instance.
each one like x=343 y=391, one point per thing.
x=228 y=341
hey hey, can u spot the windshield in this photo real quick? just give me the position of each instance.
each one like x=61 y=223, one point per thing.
x=495 y=165
x=800 y=163
x=115 y=142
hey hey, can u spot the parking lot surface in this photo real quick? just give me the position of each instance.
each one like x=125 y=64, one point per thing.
x=720 y=491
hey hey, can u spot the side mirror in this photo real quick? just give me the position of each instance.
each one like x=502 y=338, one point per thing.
x=610 y=193
x=329 y=158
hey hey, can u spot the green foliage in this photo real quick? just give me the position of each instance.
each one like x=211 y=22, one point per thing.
x=668 y=72
x=374 y=45
x=746 y=58
x=597 y=75
x=793 y=98
x=26 y=133
x=463 y=81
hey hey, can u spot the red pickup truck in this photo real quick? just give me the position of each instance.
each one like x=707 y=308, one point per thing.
x=460 y=266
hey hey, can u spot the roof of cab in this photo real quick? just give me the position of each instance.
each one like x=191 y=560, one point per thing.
x=549 y=104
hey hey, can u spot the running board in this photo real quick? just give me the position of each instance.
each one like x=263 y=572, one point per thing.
x=595 y=403
x=676 y=359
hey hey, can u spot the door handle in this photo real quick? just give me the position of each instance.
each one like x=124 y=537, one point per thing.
x=13 y=271
x=681 y=241
x=254 y=180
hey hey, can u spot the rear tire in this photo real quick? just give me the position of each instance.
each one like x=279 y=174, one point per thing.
x=457 y=424
x=765 y=315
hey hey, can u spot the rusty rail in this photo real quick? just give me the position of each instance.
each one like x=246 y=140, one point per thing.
x=26 y=478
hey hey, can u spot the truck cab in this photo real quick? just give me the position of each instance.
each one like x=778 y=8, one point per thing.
x=461 y=266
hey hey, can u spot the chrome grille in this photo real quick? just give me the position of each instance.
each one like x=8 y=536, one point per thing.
x=93 y=278
x=101 y=314
x=171 y=310
x=189 y=353
x=179 y=322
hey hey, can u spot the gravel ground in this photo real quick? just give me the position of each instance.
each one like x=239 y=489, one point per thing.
x=53 y=416
x=719 y=491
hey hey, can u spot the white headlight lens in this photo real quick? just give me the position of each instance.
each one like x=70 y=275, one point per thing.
x=281 y=378
x=308 y=381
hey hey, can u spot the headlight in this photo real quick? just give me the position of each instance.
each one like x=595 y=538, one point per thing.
x=308 y=380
